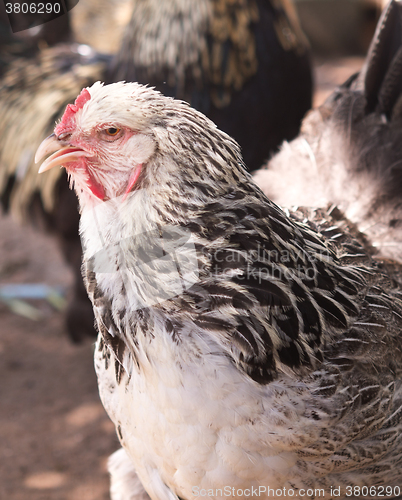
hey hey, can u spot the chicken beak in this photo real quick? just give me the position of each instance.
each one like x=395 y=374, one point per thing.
x=61 y=154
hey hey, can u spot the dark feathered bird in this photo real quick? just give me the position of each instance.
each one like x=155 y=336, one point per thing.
x=239 y=346
x=349 y=152
x=243 y=63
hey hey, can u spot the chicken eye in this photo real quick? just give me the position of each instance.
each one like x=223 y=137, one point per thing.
x=112 y=131
x=111 y=134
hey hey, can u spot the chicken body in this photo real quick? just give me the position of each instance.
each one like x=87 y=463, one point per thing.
x=239 y=346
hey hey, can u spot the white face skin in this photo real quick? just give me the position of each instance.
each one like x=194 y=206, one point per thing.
x=104 y=158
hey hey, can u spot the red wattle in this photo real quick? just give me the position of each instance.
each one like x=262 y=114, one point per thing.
x=132 y=180
x=94 y=186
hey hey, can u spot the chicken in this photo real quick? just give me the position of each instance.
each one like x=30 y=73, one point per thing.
x=262 y=82
x=349 y=151
x=243 y=63
x=239 y=347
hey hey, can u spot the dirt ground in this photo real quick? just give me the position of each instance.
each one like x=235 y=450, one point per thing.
x=54 y=434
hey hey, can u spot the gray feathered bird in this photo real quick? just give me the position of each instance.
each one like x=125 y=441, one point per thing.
x=349 y=151
x=239 y=346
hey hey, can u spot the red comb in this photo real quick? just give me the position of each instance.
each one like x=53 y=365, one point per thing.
x=71 y=109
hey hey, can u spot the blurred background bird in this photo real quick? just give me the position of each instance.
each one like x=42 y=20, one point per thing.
x=38 y=82
x=245 y=63
x=349 y=152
